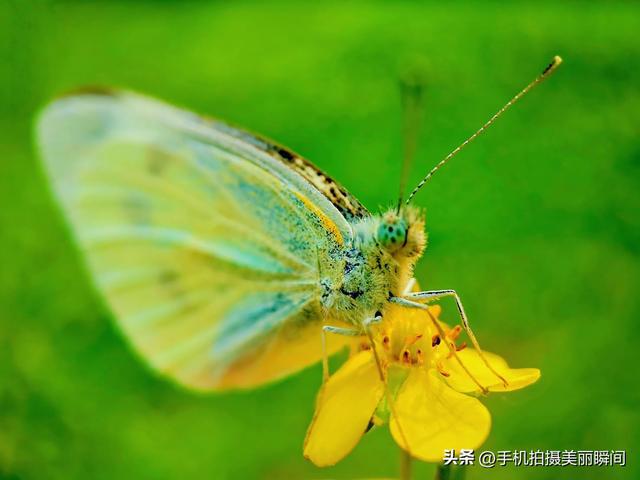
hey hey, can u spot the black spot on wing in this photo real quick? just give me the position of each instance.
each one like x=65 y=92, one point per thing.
x=284 y=153
x=346 y=203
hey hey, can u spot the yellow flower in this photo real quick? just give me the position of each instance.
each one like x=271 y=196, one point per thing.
x=433 y=407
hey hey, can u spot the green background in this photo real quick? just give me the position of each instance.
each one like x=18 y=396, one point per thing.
x=536 y=224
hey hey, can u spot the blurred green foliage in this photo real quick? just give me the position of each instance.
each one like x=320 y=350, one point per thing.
x=536 y=225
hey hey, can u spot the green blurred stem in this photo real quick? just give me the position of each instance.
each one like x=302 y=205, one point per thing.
x=443 y=472
x=405 y=465
x=447 y=472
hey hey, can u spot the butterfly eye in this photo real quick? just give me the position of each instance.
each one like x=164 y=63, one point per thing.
x=392 y=235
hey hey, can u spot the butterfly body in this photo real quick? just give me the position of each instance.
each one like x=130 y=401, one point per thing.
x=221 y=254
x=376 y=266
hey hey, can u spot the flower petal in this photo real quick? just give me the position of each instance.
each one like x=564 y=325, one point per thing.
x=434 y=417
x=516 y=377
x=344 y=408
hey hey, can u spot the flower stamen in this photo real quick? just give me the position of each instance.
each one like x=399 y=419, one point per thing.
x=452 y=349
x=454 y=333
x=406 y=357
x=441 y=369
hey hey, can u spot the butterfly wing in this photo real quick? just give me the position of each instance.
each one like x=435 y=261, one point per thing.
x=348 y=205
x=205 y=247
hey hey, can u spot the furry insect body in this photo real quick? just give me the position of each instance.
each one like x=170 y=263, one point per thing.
x=365 y=274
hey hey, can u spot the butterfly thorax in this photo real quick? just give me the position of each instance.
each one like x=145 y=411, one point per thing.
x=377 y=265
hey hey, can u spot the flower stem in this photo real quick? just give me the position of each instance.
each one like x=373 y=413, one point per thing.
x=446 y=472
x=443 y=472
x=405 y=465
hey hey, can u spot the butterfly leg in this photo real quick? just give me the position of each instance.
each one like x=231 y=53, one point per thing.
x=436 y=294
x=410 y=304
x=350 y=332
x=409 y=287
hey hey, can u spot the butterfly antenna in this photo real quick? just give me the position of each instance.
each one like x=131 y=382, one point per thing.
x=412 y=85
x=545 y=73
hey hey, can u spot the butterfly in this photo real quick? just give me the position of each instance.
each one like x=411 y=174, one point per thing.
x=222 y=255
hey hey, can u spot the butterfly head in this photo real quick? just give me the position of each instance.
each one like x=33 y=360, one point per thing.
x=402 y=234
